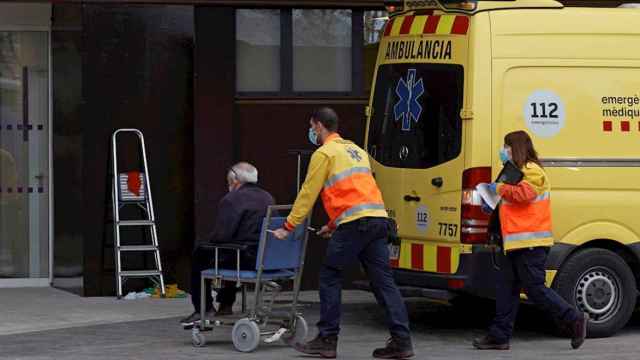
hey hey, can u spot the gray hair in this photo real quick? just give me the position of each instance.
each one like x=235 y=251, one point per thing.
x=243 y=172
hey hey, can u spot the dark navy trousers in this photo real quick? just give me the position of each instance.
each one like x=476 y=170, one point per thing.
x=204 y=259
x=363 y=240
x=525 y=269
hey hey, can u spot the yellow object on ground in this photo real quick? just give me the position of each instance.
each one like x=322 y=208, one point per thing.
x=171 y=291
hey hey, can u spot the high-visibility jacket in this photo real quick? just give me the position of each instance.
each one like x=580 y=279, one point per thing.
x=340 y=171
x=525 y=211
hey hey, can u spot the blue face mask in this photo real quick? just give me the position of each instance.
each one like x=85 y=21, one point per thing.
x=504 y=155
x=313 y=136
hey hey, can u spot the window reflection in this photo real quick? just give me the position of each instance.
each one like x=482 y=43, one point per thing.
x=258 y=50
x=322 y=50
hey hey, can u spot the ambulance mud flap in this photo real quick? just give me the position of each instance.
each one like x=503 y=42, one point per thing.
x=412 y=291
x=558 y=254
x=635 y=249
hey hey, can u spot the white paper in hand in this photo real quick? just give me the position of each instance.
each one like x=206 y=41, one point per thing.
x=488 y=195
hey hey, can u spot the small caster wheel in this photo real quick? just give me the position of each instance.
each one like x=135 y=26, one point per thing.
x=245 y=335
x=198 y=339
x=298 y=331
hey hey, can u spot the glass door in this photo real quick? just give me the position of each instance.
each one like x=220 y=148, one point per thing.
x=24 y=155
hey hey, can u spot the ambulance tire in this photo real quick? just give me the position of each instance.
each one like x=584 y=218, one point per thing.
x=598 y=282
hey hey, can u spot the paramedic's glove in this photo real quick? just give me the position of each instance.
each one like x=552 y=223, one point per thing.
x=325 y=232
x=493 y=187
x=280 y=234
x=486 y=208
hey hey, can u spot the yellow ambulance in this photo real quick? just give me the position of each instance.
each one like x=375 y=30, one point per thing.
x=452 y=78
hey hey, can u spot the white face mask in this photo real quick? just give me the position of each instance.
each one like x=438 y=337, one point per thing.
x=505 y=154
x=313 y=136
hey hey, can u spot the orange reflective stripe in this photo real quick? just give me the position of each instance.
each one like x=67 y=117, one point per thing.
x=528 y=236
x=345 y=174
x=357 y=209
x=355 y=183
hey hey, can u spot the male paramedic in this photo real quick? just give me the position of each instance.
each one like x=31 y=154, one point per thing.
x=240 y=215
x=340 y=173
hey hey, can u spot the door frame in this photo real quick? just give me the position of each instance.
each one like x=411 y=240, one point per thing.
x=40 y=282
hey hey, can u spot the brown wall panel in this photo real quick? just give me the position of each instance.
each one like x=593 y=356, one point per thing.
x=214 y=91
x=66 y=47
x=137 y=72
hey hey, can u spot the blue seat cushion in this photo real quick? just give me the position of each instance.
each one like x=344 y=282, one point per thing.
x=249 y=274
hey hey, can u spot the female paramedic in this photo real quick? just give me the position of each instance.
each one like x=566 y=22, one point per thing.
x=525 y=227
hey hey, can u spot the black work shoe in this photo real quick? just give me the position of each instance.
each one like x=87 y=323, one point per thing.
x=489 y=343
x=396 y=348
x=325 y=346
x=579 y=330
x=224 y=310
x=189 y=321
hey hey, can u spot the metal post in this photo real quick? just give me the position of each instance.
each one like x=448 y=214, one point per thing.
x=298 y=173
x=299 y=153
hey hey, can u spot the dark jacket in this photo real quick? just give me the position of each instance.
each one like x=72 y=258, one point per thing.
x=240 y=215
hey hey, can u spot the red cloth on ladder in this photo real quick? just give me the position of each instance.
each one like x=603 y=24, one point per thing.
x=133 y=182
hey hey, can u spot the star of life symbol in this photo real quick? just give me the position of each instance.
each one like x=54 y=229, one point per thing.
x=354 y=154
x=408 y=108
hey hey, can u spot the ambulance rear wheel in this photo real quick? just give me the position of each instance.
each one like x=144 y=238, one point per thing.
x=599 y=283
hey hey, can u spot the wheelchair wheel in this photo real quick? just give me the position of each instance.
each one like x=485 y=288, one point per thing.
x=245 y=335
x=298 y=332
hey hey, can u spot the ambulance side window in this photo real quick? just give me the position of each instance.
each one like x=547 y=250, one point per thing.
x=416 y=115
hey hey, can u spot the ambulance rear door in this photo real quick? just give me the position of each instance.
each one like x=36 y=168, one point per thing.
x=416 y=133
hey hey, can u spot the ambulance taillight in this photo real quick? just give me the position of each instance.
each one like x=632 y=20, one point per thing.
x=465 y=5
x=394 y=6
x=474 y=222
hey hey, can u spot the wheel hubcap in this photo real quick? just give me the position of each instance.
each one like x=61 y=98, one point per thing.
x=598 y=294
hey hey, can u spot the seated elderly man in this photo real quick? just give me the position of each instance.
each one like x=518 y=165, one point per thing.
x=240 y=215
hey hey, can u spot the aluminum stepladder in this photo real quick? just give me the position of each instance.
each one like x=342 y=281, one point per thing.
x=121 y=196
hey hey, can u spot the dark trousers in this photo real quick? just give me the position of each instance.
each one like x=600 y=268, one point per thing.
x=203 y=259
x=364 y=240
x=524 y=269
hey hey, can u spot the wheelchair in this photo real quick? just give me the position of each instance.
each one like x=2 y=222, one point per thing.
x=278 y=262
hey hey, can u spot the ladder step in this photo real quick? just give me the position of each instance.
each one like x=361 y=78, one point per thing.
x=138 y=248
x=136 y=223
x=138 y=273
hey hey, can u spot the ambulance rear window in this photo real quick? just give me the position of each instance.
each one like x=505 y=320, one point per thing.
x=416 y=115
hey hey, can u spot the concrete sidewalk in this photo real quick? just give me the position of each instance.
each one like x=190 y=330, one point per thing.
x=37 y=309
x=148 y=329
